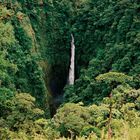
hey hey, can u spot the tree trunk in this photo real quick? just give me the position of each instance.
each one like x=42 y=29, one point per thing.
x=110 y=118
x=72 y=63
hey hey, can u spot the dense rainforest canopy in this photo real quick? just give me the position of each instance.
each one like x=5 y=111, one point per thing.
x=36 y=101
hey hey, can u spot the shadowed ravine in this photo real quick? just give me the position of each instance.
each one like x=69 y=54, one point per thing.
x=56 y=95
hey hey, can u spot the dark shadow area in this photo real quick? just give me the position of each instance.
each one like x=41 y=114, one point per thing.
x=57 y=82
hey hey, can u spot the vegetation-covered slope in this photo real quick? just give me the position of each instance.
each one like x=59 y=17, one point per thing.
x=35 y=38
x=107 y=34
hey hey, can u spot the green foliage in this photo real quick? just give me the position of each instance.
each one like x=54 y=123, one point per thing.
x=87 y=130
x=6 y=35
x=107 y=57
x=111 y=77
x=125 y=115
x=105 y=33
x=20 y=71
x=71 y=119
x=22 y=119
x=18 y=44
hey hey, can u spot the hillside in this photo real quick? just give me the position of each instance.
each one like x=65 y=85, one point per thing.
x=37 y=101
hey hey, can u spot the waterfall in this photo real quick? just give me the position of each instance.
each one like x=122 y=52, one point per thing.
x=72 y=63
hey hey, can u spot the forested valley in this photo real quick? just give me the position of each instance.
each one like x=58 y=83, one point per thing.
x=69 y=69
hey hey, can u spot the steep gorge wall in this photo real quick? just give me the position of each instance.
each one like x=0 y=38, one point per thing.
x=35 y=22
x=28 y=20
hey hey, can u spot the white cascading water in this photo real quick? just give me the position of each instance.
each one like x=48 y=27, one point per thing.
x=72 y=63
